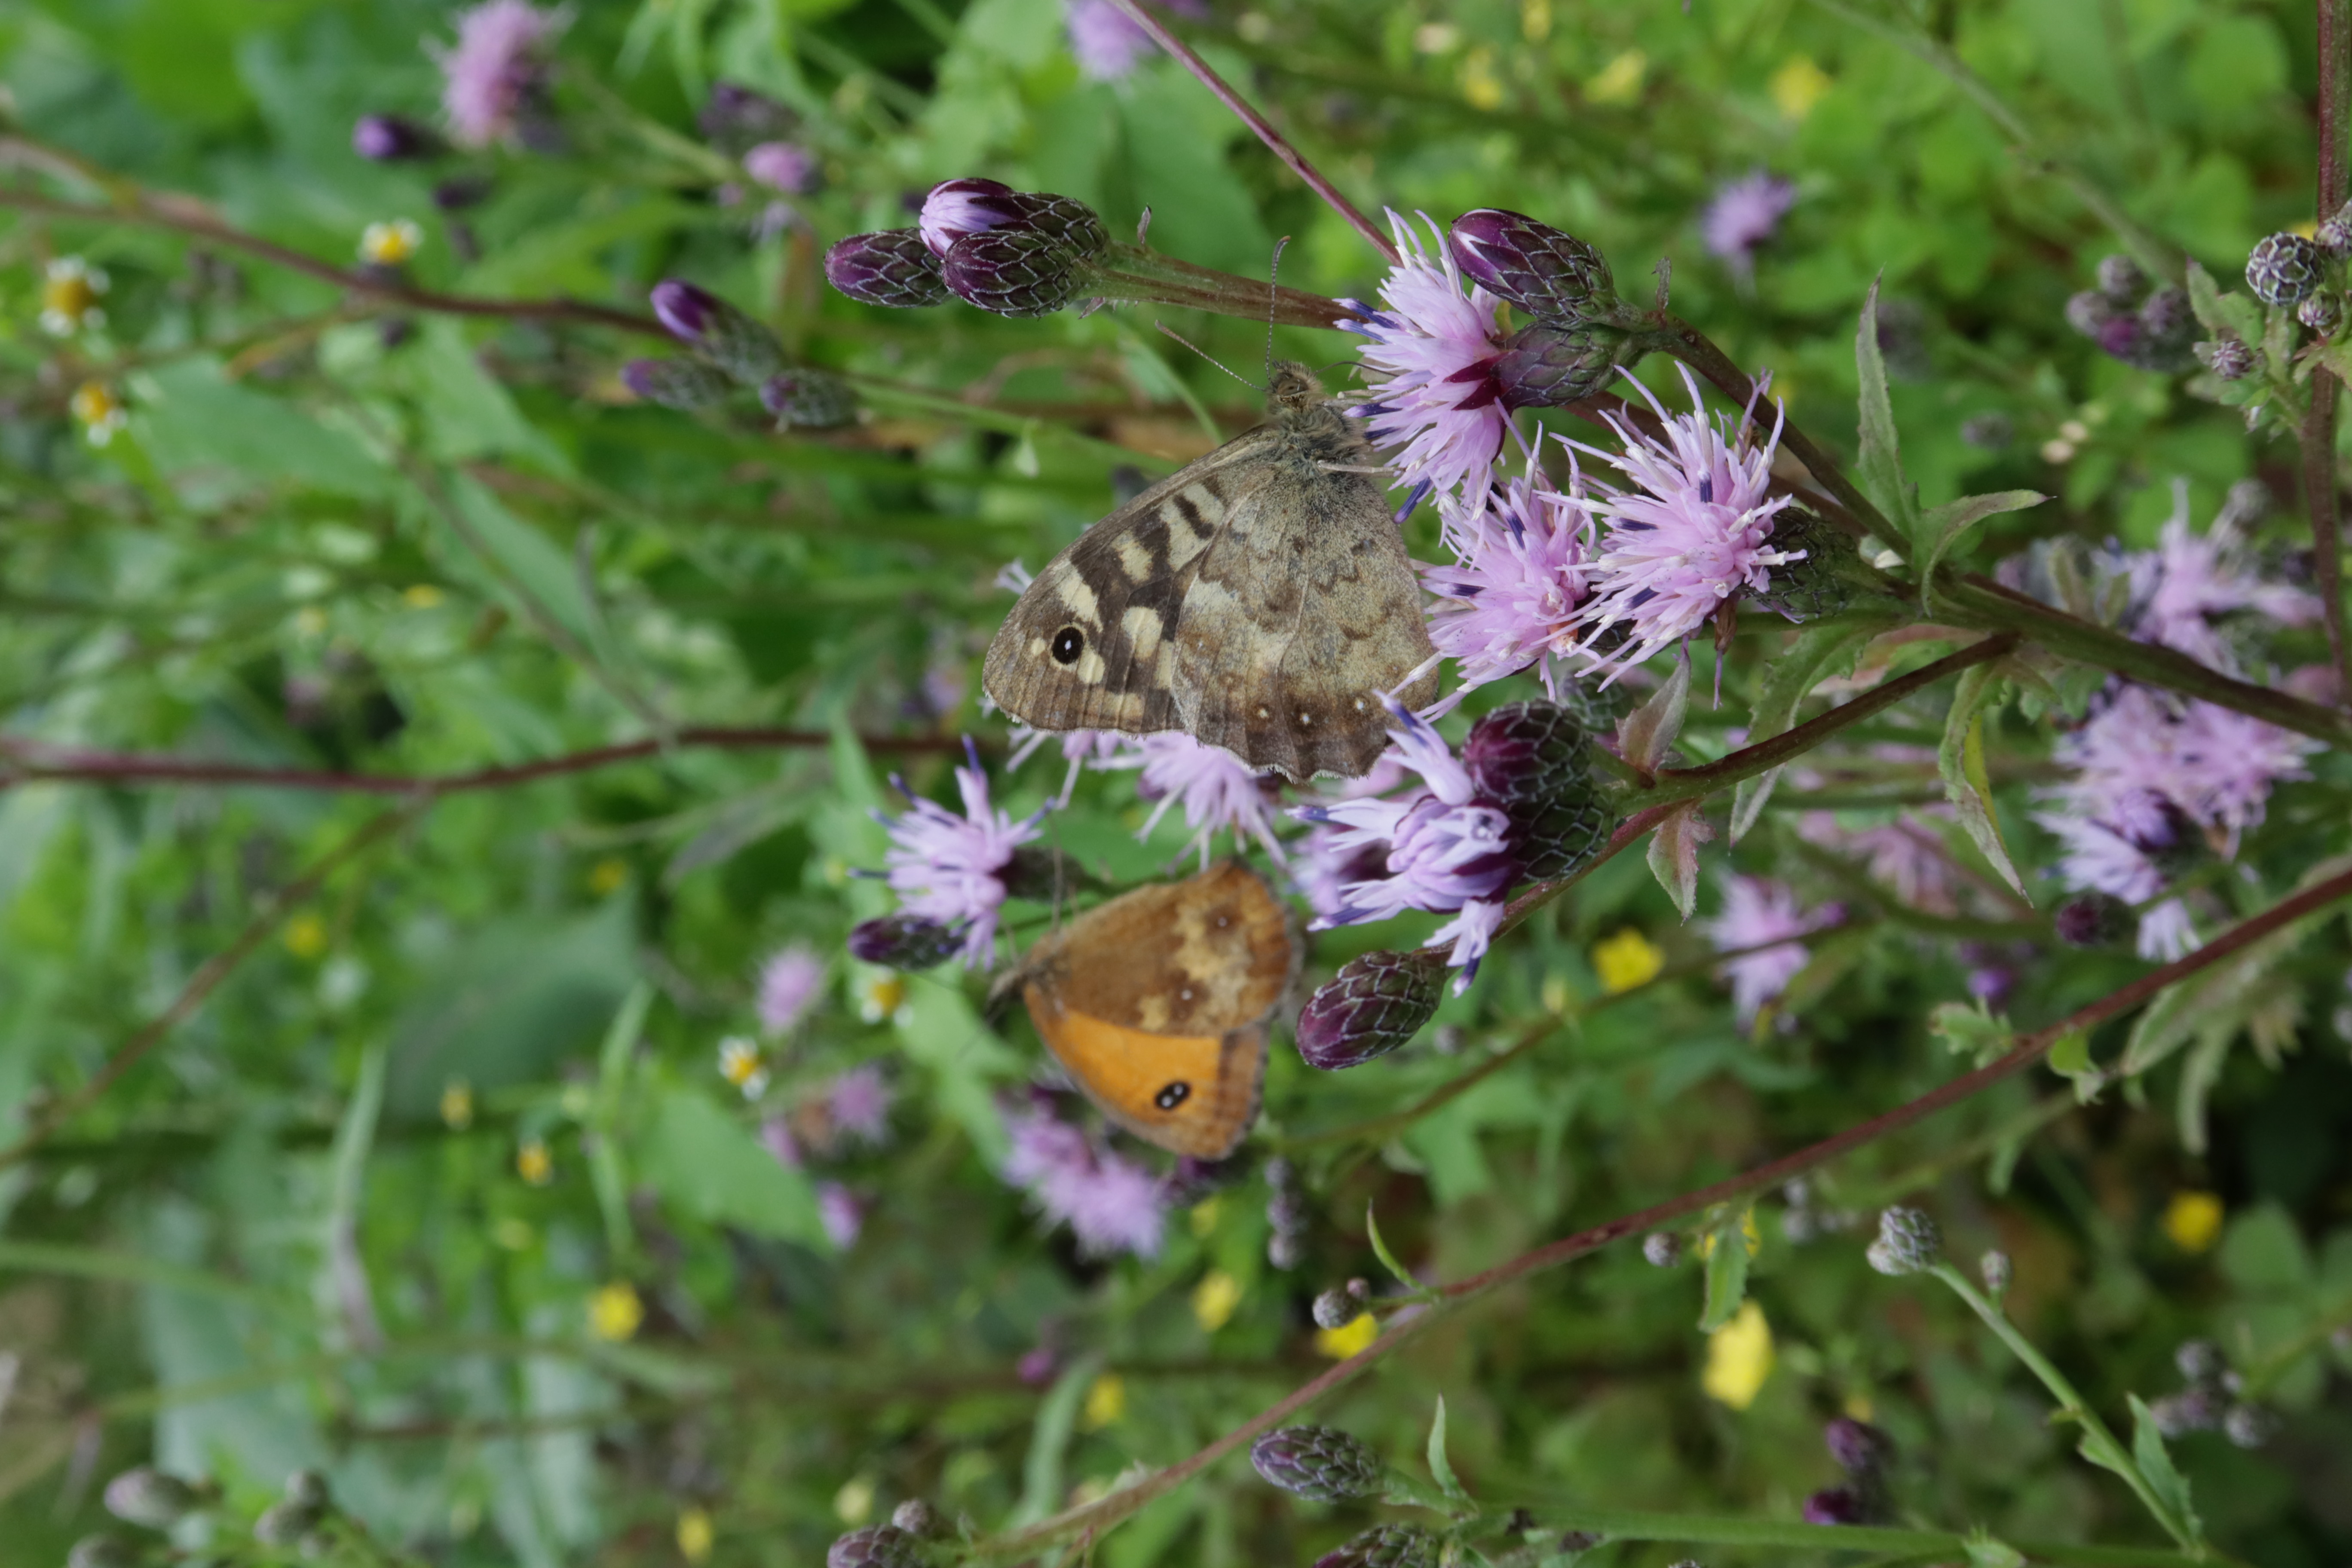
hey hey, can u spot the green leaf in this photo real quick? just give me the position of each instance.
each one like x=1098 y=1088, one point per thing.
x=1960 y=759
x=1049 y=1439
x=1939 y=529
x=1388 y=1260
x=1439 y=1468
x=2264 y=1253
x=1987 y=1551
x=706 y=1162
x=1674 y=854
x=1817 y=652
x=195 y=421
x=2071 y=1059
x=1879 y=468
x=1727 y=1272
x=1971 y=1030
x=615 y=1058
x=2219 y=312
x=2156 y=1468
x=1644 y=735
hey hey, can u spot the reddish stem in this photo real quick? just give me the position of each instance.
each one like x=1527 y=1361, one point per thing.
x=2319 y=482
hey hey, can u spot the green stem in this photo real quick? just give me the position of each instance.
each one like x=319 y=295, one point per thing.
x=2099 y=1444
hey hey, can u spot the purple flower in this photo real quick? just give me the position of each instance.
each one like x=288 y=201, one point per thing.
x=1435 y=345
x=1743 y=215
x=949 y=868
x=958 y=208
x=790 y=982
x=782 y=166
x=1906 y=858
x=1757 y=911
x=389 y=137
x=1695 y=528
x=840 y=1212
x=776 y=1137
x=860 y=1104
x=2188 y=579
x=490 y=78
x=1107 y=43
x=1101 y=748
x=1518 y=578
x=1445 y=848
x=1217 y=791
x=1111 y=1205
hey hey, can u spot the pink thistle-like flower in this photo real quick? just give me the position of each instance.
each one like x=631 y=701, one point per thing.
x=1080 y=749
x=841 y=1213
x=949 y=868
x=1111 y=1205
x=1518 y=578
x=1743 y=215
x=782 y=166
x=1444 y=848
x=790 y=984
x=1431 y=393
x=489 y=78
x=1695 y=529
x=1756 y=911
x=1107 y=44
x=2188 y=579
x=1906 y=858
x=860 y=1104
x=1218 y=792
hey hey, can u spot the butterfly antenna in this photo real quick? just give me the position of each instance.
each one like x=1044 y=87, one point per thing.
x=1206 y=355
x=1272 y=299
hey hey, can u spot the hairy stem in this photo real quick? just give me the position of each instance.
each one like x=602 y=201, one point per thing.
x=2319 y=482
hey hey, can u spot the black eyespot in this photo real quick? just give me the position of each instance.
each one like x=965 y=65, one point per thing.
x=1068 y=643
x=1172 y=1095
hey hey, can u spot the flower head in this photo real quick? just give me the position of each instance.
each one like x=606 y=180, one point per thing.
x=70 y=292
x=1217 y=790
x=2189 y=579
x=950 y=870
x=1695 y=529
x=98 y=411
x=785 y=166
x=740 y=1063
x=1433 y=394
x=1757 y=911
x=1743 y=215
x=490 y=78
x=1111 y=1205
x=1107 y=43
x=390 y=243
x=1519 y=574
x=1080 y=748
x=859 y=1103
x=841 y=1213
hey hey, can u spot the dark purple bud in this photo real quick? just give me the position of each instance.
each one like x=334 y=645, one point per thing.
x=1037 y=1366
x=1837 y=1505
x=2091 y=312
x=1543 y=366
x=2168 y=315
x=876 y=1546
x=1017 y=271
x=904 y=942
x=389 y=139
x=2121 y=280
x=1376 y=1003
x=2228 y=358
x=1384 y=1546
x=1528 y=758
x=1860 y=1449
x=735 y=114
x=2322 y=313
x=2123 y=338
x=1335 y=1309
x=1320 y=1463
x=675 y=383
x=1552 y=276
x=916 y=1517
x=893 y=268
x=153 y=1498
x=806 y=399
x=685 y=311
x=2335 y=236
x=2168 y=836
x=743 y=348
x=2285 y=267
x=2092 y=920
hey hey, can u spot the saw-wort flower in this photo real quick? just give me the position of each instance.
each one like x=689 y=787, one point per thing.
x=1743 y=215
x=786 y=166
x=1695 y=528
x=1510 y=597
x=1111 y=1205
x=2189 y=579
x=1107 y=43
x=1433 y=395
x=1446 y=848
x=1218 y=792
x=949 y=868
x=859 y=1104
x=1081 y=749
x=495 y=70
x=1905 y=858
x=1758 y=912
x=790 y=982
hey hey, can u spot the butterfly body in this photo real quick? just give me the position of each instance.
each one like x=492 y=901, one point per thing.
x=1158 y=1004
x=1260 y=599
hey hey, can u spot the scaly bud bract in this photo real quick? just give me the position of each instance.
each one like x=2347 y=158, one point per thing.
x=1543 y=366
x=916 y=1517
x=893 y=268
x=1824 y=582
x=153 y=1498
x=905 y=942
x=1335 y=1309
x=2283 y=268
x=1320 y=1463
x=1907 y=1242
x=1376 y=1003
x=675 y=383
x=876 y=1546
x=1384 y=1546
x=716 y=330
x=1529 y=760
x=1860 y=1449
x=2120 y=280
x=806 y=399
x=2227 y=357
x=1017 y=271
x=1553 y=276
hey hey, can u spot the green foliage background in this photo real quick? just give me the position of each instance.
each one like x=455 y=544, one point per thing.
x=266 y=1248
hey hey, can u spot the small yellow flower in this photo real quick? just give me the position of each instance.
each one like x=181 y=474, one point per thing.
x=1105 y=1402
x=1626 y=960
x=70 y=289
x=881 y=998
x=456 y=1105
x=614 y=1311
x=606 y=875
x=1481 y=87
x=1796 y=86
x=1348 y=1339
x=306 y=935
x=1203 y=1218
x=1738 y=1358
x=694 y=1534
x=533 y=1164
x=854 y=1501
x=390 y=244
x=2193 y=1220
x=420 y=596
x=1215 y=1298
x=1620 y=80
x=98 y=411
x=1534 y=20
x=740 y=1064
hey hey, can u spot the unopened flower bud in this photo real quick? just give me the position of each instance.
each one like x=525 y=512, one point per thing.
x=1384 y=1546
x=916 y=1517
x=2322 y=313
x=876 y=1546
x=893 y=268
x=1017 y=271
x=806 y=399
x=2168 y=313
x=1529 y=760
x=390 y=139
x=1552 y=276
x=1335 y=1309
x=309 y=1488
x=1360 y=1289
x=1663 y=1249
x=717 y=332
x=1544 y=365
x=956 y=208
x=904 y=942
x=2092 y=920
x=1907 y=1242
x=1285 y=1250
x=2090 y=313
x=2200 y=1360
x=1821 y=582
x=1376 y=1003
x=2191 y=1410
x=2249 y=1425
x=1860 y=1449
x=101 y=1552
x=2120 y=278
x=2227 y=357
x=2283 y=268
x=1996 y=1270
x=153 y=1498
x=1833 y=1505
x=1320 y=1463
x=285 y=1522
x=2335 y=236
x=675 y=383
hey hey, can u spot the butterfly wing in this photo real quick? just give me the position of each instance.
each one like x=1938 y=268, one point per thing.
x=1158 y=1004
x=1091 y=644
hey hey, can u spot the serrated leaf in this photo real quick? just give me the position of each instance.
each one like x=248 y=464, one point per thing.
x=1937 y=531
x=2157 y=1468
x=1879 y=469
x=1969 y=1029
x=2219 y=312
x=1817 y=652
x=1440 y=1468
x=1960 y=759
x=1727 y=1273
x=1644 y=735
x=1674 y=854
